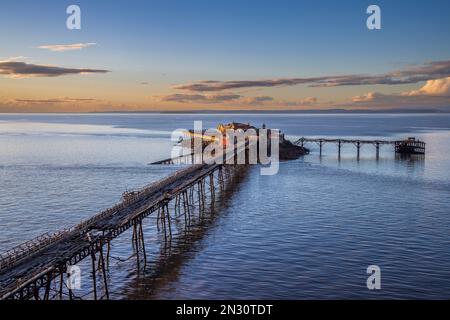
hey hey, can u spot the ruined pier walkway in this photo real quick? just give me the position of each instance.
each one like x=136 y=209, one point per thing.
x=39 y=268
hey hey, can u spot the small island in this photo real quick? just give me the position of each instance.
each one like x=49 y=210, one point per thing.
x=288 y=150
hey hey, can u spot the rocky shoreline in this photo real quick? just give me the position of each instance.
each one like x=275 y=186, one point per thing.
x=290 y=151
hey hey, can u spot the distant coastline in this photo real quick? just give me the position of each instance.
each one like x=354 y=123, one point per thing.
x=309 y=111
x=327 y=111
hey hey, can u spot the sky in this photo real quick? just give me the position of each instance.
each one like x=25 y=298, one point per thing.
x=187 y=55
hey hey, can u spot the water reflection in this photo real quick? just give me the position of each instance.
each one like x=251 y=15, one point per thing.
x=413 y=162
x=173 y=255
x=410 y=158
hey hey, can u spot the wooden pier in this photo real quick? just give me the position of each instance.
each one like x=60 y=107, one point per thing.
x=406 y=146
x=183 y=159
x=38 y=269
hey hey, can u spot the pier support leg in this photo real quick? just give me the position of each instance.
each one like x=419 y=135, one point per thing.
x=47 y=287
x=108 y=251
x=158 y=218
x=221 y=183
x=133 y=238
x=61 y=282
x=378 y=150
x=36 y=293
x=136 y=244
x=168 y=220
x=185 y=211
x=70 y=290
x=141 y=237
x=188 y=206
x=358 y=148
x=320 y=147
x=179 y=204
x=105 y=278
x=339 y=149
x=175 y=205
x=163 y=220
x=191 y=194
x=94 y=275
x=212 y=187
x=203 y=189
x=199 y=198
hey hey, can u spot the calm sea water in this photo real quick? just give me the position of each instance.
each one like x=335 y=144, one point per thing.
x=308 y=232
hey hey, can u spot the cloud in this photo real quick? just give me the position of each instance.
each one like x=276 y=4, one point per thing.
x=380 y=100
x=204 y=86
x=425 y=72
x=439 y=87
x=434 y=93
x=66 y=47
x=18 y=69
x=54 y=100
x=198 y=98
x=308 y=101
x=235 y=99
x=272 y=102
x=257 y=100
x=369 y=97
x=56 y=104
x=13 y=58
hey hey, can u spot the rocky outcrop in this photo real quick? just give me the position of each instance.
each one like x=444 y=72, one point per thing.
x=290 y=151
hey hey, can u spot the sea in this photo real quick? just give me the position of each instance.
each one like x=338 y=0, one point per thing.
x=308 y=232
